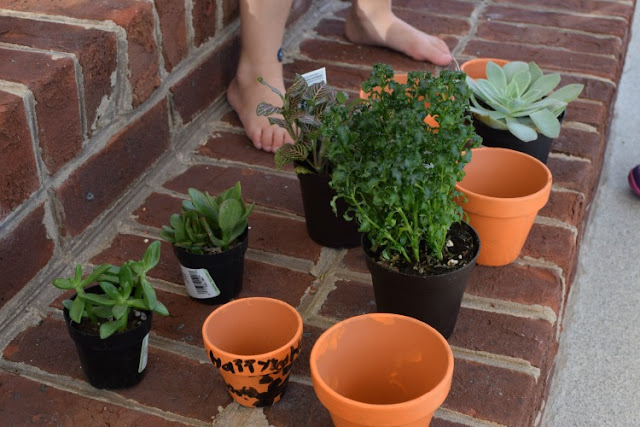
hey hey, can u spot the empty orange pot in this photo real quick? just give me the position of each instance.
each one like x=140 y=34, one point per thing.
x=477 y=68
x=505 y=189
x=253 y=342
x=381 y=369
x=402 y=78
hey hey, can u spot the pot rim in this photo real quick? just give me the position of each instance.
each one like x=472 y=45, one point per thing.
x=499 y=61
x=541 y=194
x=443 y=385
x=241 y=301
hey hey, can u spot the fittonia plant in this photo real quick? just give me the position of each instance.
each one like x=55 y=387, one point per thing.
x=521 y=99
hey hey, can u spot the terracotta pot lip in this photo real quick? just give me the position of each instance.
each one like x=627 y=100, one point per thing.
x=419 y=401
x=501 y=62
x=268 y=355
x=533 y=196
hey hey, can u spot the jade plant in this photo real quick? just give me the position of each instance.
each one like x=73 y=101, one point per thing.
x=521 y=99
x=125 y=289
x=208 y=224
x=302 y=111
x=397 y=173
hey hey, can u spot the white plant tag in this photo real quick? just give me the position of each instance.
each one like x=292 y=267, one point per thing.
x=316 y=76
x=144 y=352
x=199 y=283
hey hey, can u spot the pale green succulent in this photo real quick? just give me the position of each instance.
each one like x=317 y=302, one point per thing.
x=520 y=98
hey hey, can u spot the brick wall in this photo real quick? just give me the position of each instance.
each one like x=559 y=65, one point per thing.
x=92 y=94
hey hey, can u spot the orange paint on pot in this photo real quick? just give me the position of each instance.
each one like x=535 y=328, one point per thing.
x=477 y=68
x=402 y=78
x=505 y=189
x=253 y=342
x=381 y=369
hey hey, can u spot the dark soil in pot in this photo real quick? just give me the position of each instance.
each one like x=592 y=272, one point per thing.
x=435 y=297
x=214 y=278
x=323 y=225
x=118 y=361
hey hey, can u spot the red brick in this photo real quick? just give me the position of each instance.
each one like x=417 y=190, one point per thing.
x=553 y=244
x=230 y=11
x=580 y=143
x=174 y=32
x=517 y=337
x=237 y=147
x=135 y=17
x=493 y=394
x=271 y=191
x=595 y=7
x=207 y=82
x=550 y=37
x=565 y=206
x=298 y=407
x=594 y=90
x=18 y=171
x=26 y=402
x=310 y=335
x=232 y=119
x=24 y=251
x=349 y=299
x=265 y=280
x=588 y=23
x=52 y=81
x=204 y=20
x=99 y=182
x=517 y=283
x=590 y=113
x=298 y=9
x=355 y=260
x=452 y=7
x=548 y=58
x=575 y=175
x=157 y=209
x=343 y=78
x=95 y=50
x=49 y=347
x=283 y=236
x=127 y=246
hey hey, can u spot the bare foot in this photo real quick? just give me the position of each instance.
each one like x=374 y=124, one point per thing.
x=245 y=93
x=383 y=28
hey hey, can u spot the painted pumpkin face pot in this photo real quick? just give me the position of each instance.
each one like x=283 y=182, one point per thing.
x=253 y=342
x=381 y=369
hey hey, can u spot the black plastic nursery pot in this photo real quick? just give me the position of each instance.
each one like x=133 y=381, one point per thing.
x=119 y=361
x=538 y=148
x=214 y=278
x=323 y=225
x=433 y=299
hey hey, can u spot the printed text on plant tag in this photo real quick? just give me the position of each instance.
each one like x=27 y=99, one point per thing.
x=199 y=283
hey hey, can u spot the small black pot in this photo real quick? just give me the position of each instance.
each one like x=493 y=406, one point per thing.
x=433 y=299
x=538 y=148
x=225 y=269
x=116 y=362
x=324 y=226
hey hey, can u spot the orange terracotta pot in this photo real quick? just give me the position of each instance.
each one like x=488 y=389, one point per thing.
x=381 y=369
x=505 y=189
x=402 y=78
x=253 y=342
x=477 y=68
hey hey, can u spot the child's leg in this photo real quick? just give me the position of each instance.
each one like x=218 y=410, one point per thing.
x=372 y=22
x=262 y=29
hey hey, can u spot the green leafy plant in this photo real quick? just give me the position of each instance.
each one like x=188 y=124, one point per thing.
x=521 y=99
x=303 y=109
x=396 y=172
x=124 y=288
x=208 y=224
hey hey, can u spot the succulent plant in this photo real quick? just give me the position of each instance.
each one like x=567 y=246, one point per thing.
x=206 y=223
x=124 y=288
x=521 y=99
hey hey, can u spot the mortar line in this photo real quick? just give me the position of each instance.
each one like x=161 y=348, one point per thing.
x=554 y=222
x=464 y=419
x=497 y=360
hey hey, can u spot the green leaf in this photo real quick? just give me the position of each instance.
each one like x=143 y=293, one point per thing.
x=109 y=328
x=63 y=283
x=535 y=71
x=230 y=213
x=120 y=310
x=514 y=67
x=161 y=309
x=496 y=75
x=266 y=109
x=547 y=123
x=149 y=294
x=110 y=290
x=522 y=80
x=546 y=84
x=77 y=309
x=522 y=132
x=97 y=299
x=151 y=256
x=138 y=304
x=67 y=304
x=102 y=311
x=203 y=204
x=567 y=93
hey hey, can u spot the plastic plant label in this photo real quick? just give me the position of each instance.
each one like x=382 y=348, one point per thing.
x=199 y=283
x=144 y=352
x=316 y=76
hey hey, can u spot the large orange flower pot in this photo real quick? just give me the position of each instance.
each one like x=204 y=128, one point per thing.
x=402 y=78
x=381 y=369
x=477 y=68
x=505 y=189
x=253 y=342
